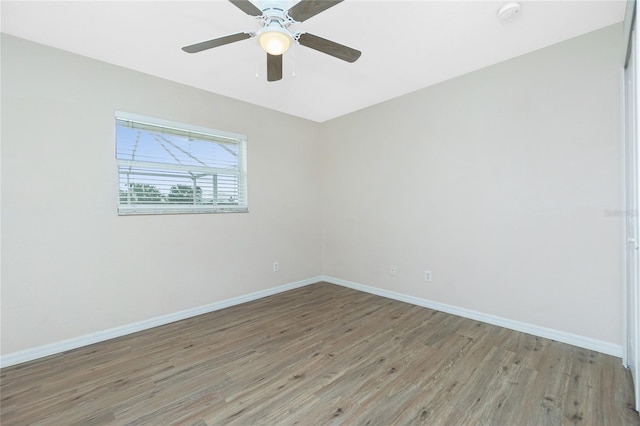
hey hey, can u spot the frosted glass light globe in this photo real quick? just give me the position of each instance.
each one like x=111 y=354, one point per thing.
x=275 y=41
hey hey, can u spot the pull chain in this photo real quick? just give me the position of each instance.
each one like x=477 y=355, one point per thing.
x=257 y=73
x=293 y=63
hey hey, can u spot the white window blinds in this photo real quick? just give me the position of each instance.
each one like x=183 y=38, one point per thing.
x=166 y=167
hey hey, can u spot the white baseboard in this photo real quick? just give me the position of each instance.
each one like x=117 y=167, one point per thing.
x=549 y=333
x=89 y=339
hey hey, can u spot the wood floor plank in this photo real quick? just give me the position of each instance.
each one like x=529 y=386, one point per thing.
x=321 y=355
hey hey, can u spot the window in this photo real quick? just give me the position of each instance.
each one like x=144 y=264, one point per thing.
x=166 y=167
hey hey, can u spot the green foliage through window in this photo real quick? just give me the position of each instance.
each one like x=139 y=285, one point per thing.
x=185 y=194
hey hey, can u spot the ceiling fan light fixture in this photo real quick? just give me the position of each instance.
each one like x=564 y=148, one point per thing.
x=275 y=40
x=274 y=36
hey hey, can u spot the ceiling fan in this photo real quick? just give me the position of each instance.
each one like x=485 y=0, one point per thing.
x=275 y=37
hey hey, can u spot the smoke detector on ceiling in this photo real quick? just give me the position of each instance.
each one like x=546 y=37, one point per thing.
x=508 y=10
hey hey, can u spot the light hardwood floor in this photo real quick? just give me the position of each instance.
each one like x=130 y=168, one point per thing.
x=321 y=354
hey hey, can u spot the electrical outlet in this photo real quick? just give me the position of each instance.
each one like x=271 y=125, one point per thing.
x=393 y=271
x=276 y=266
x=427 y=276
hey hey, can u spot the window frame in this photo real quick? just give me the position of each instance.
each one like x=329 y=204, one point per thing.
x=176 y=128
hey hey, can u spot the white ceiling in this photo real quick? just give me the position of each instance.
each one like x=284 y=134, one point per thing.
x=406 y=45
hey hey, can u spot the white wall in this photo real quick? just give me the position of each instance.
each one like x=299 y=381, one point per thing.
x=498 y=181
x=70 y=265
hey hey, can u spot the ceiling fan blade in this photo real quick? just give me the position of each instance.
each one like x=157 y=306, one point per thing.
x=199 y=47
x=274 y=67
x=309 y=8
x=329 y=47
x=247 y=7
